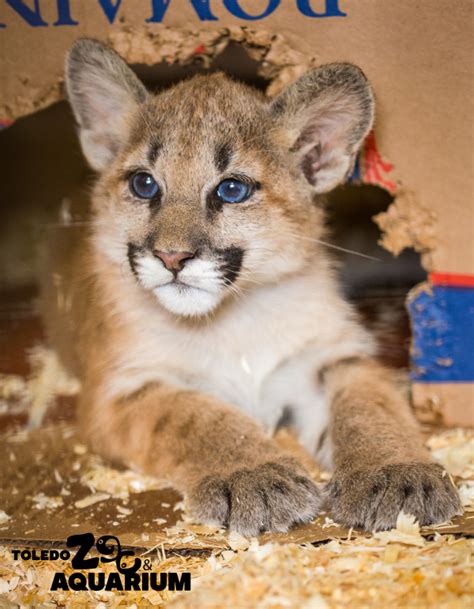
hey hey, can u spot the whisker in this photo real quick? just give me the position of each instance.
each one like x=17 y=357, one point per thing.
x=238 y=291
x=333 y=246
x=244 y=275
x=248 y=277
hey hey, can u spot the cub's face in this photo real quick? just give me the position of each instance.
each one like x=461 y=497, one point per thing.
x=206 y=191
x=201 y=201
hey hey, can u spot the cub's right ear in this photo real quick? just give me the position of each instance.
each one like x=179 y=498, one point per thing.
x=103 y=91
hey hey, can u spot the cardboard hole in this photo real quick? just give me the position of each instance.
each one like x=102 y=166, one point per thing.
x=350 y=212
x=378 y=288
x=42 y=164
x=233 y=61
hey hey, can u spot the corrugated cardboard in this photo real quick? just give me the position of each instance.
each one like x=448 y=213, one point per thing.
x=418 y=55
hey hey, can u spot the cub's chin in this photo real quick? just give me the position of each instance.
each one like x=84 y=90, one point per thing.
x=187 y=301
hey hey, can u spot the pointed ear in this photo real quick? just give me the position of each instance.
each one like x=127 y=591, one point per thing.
x=103 y=91
x=325 y=116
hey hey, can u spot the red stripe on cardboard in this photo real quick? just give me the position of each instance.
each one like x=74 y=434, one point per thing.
x=376 y=169
x=454 y=279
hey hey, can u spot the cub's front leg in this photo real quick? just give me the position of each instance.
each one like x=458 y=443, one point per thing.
x=231 y=473
x=380 y=464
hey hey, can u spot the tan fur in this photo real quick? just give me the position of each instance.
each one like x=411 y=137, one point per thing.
x=190 y=381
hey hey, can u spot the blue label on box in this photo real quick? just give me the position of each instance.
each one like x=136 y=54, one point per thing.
x=443 y=334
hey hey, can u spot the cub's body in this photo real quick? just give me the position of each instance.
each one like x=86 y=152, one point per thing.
x=200 y=310
x=261 y=353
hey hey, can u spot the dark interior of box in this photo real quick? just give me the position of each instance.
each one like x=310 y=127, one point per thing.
x=42 y=163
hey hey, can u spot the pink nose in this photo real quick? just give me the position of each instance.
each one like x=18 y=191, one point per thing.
x=173 y=261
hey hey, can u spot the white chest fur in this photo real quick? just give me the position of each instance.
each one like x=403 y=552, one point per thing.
x=260 y=354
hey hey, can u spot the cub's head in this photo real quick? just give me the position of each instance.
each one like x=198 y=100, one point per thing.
x=207 y=190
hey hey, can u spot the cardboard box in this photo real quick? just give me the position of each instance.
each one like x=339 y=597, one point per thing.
x=418 y=56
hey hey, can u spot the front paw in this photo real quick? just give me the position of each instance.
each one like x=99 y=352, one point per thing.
x=372 y=498
x=269 y=497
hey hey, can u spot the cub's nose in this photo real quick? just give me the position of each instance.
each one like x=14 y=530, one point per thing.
x=173 y=261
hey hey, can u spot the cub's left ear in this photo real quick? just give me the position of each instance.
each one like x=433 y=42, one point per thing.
x=325 y=116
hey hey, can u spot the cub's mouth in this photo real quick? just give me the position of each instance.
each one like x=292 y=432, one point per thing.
x=187 y=283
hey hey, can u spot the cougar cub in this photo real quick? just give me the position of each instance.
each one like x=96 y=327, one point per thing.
x=202 y=309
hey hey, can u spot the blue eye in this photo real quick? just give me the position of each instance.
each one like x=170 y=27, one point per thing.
x=233 y=191
x=143 y=185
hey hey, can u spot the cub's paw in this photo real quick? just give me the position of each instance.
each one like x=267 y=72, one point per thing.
x=269 y=497
x=372 y=498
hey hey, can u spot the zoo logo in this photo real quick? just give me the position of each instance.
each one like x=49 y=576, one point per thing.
x=127 y=577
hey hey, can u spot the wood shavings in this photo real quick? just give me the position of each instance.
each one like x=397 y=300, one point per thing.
x=124 y=511
x=91 y=500
x=237 y=542
x=329 y=522
x=119 y=483
x=397 y=567
x=466 y=492
x=455 y=450
x=407 y=532
x=408 y=223
x=370 y=575
x=42 y=502
x=228 y=555
x=407 y=525
x=79 y=449
x=4 y=517
x=198 y=535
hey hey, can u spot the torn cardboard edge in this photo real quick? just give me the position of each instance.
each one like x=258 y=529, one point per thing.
x=408 y=223
x=405 y=224
x=180 y=46
x=279 y=63
x=441 y=313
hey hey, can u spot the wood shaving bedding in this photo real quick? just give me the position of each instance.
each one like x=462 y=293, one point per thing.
x=365 y=572
x=360 y=573
x=455 y=450
x=399 y=568
x=118 y=483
